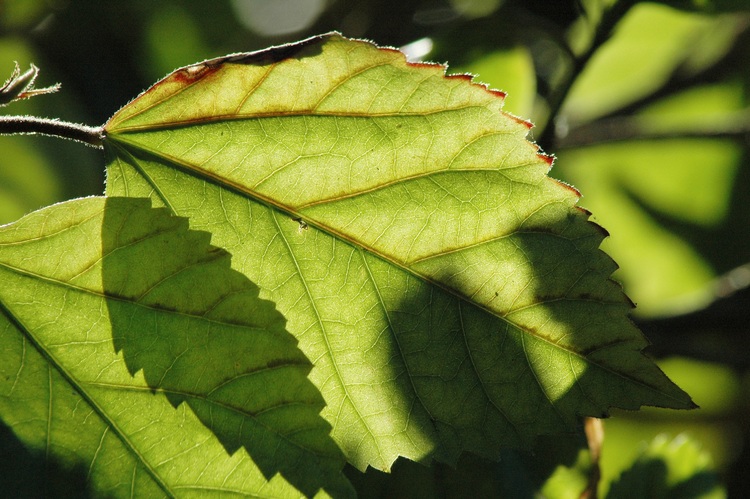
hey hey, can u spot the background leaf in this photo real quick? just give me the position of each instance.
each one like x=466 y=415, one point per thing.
x=669 y=467
x=101 y=344
x=648 y=46
x=662 y=167
x=450 y=295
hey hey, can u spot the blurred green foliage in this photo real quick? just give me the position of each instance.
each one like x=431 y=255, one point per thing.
x=669 y=468
x=645 y=105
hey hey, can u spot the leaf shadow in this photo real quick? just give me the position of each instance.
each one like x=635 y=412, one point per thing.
x=201 y=335
x=29 y=473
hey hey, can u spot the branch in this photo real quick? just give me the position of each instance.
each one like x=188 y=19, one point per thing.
x=715 y=333
x=619 y=129
x=21 y=86
x=11 y=125
x=603 y=32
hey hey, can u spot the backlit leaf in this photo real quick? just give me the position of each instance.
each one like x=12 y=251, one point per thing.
x=451 y=296
x=112 y=314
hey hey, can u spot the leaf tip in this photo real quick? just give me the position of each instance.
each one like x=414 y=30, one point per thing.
x=604 y=232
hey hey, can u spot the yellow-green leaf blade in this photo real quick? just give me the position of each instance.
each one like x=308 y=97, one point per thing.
x=113 y=315
x=451 y=296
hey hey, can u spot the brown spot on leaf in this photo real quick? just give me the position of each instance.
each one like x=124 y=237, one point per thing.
x=423 y=65
x=191 y=74
x=501 y=95
x=530 y=329
x=470 y=79
x=162 y=307
x=520 y=121
x=539 y=298
x=273 y=55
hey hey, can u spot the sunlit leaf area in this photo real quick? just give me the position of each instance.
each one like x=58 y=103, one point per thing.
x=302 y=258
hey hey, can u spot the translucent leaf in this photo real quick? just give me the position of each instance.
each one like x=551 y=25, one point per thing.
x=450 y=295
x=112 y=315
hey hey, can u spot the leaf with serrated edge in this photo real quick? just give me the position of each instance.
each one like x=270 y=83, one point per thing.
x=451 y=295
x=112 y=314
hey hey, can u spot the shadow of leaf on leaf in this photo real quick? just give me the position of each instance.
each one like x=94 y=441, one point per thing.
x=523 y=338
x=29 y=473
x=200 y=334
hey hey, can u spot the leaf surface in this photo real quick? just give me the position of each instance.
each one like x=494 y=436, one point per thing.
x=112 y=315
x=451 y=296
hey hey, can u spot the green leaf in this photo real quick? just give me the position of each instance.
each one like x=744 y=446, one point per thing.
x=112 y=315
x=512 y=71
x=569 y=481
x=649 y=46
x=670 y=467
x=450 y=295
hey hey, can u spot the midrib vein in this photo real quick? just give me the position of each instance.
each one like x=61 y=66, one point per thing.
x=297 y=113
x=292 y=213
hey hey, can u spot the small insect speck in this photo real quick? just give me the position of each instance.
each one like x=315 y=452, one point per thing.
x=302 y=224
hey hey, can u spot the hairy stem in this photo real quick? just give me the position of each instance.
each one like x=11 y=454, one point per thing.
x=11 y=125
